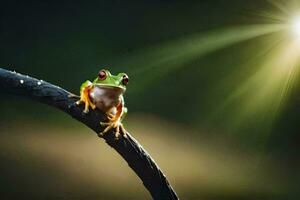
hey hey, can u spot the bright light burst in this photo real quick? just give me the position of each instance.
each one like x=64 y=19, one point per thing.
x=259 y=98
x=260 y=95
x=296 y=26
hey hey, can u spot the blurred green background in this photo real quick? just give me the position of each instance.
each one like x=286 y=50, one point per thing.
x=213 y=97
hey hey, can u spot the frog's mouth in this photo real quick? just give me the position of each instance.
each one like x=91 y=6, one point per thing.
x=111 y=88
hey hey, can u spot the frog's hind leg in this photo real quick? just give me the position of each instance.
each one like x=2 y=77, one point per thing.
x=125 y=110
x=115 y=122
x=85 y=90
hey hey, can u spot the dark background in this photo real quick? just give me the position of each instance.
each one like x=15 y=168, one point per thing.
x=175 y=94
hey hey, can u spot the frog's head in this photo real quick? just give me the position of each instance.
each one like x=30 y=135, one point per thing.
x=106 y=79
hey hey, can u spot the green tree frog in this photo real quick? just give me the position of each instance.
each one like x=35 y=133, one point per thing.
x=106 y=93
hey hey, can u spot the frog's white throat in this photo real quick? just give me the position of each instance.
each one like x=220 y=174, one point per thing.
x=106 y=97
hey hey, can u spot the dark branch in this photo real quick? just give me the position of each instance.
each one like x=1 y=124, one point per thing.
x=134 y=154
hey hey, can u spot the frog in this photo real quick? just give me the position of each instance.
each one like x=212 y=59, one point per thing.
x=106 y=93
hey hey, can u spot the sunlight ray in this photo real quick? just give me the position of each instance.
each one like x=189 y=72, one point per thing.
x=263 y=94
x=281 y=7
x=164 y=59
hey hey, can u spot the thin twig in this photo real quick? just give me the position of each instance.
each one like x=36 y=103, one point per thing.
x=134 y=154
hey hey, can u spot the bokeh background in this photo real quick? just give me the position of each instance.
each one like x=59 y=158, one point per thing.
x=213 y=96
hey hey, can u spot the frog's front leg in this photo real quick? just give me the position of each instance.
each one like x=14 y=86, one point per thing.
x=115 y=121
x=85 y=90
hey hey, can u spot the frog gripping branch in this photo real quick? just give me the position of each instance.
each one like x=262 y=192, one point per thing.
x=106 y=94
x=105 y=121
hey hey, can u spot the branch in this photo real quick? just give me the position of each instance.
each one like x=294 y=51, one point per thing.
x=134 y=154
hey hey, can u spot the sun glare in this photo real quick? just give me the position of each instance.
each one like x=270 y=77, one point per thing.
x=296 y=26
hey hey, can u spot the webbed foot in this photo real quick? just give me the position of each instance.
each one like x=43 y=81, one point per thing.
x=85 y=90
x=113 y=124
x=87 y=102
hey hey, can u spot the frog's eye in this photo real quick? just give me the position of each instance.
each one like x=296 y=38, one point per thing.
x=102 y=75
x=125 y=79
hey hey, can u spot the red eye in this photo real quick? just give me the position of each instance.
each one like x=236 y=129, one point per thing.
x=125 y=80
x=102 y=75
